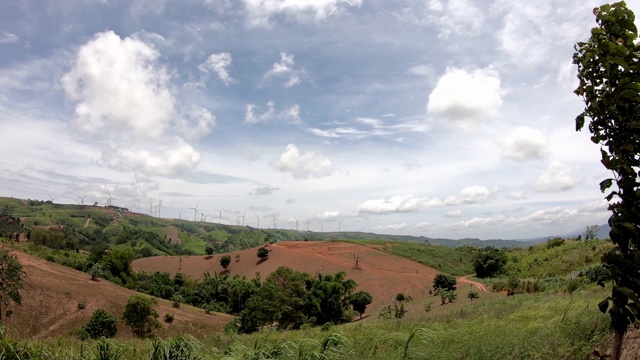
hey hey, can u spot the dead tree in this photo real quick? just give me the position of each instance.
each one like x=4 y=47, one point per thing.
x=357 y=258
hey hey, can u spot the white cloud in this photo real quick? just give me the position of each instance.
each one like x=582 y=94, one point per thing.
x=409 y=203
x=264 y=190
x=259 y=12
x=302 y=166
x=251 y=118
x=525 y=144
x=292 y=114
x=8 y=38
x=219 y=64
x=328 y=215
x=517 y=195
x=458 y=17
x=466 y=96
x=124 y=101
x=391 y=226
x=556 y=177
x=453 y=214
x=285 y=68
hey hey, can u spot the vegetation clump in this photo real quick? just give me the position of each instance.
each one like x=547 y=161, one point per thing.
x=101 y=324
x=140 y=315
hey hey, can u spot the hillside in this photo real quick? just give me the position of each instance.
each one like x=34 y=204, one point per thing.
x=381 y=274
x=50 y=304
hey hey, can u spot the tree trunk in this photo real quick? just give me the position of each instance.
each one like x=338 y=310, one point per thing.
x=616 y=352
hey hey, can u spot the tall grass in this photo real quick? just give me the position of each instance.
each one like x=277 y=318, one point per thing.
x=528 y=326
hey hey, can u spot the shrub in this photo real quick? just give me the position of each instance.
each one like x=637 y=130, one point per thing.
x=225 y=261
x=168 y=318
x=102 y=323
x=444 y=282
x=82 y=305
x=263 y=253
x=140 y=315
x=209 y=250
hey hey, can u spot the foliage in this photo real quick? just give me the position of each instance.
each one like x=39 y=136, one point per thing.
x=96 y=271
x=263 y=253
x=101 y=323
x=118 y=263
x=609 y=72
x=140 y=315
x=169 y=317
x=442 y=282
x=359 y=301
x=209 y=250
x=82 y=305
x=11 y=280
x=291 y=299
x=225 y=261
x=591 y=232
x=472 y=295
x=489 y=262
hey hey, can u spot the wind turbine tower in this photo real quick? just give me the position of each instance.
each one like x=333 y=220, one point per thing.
x=81 y=199
x=180 y=212
x=258 y=217
x=220 y=215
x=195 y=211
x=308 y=225
x=275 y=219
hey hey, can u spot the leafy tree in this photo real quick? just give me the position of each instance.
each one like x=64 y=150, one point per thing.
x=101 y=323
x=209 y=250
x=489 y=262
x=326 y=299
x=472 y=295
x=444 y=282
x=225 y=261
x=609 y=73
x=11 y=281
x=591 y=232
x=140 y=315
x=96 y=271
x=118 y=262
x=359 y=301
x=263 y=253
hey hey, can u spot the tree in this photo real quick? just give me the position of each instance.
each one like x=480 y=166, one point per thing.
x=140 y=315
x=609 y=73
x=96 y=271
x=11 y=281
x=444 y=282
x=101 y=323
x=209 y=250
x=472 y=295
x=225 y=261
x=591 y=232
x=359 y=301
x=489 y=262
x=263 y=253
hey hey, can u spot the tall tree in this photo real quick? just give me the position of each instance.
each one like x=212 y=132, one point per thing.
x=609 y=73
x=11 y=280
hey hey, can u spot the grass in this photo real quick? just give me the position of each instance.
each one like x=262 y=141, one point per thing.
x=539 y=326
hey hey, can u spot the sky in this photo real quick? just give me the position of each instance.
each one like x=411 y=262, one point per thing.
x=430 y=118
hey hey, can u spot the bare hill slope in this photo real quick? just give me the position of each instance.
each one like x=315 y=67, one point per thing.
x=52 y=292
x=381 y=274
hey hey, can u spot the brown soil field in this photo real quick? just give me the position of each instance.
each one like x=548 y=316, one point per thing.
x=50 y=304
x=381 y=274
x=171 y=232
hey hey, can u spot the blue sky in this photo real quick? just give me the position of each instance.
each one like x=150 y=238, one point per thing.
x=437 y=118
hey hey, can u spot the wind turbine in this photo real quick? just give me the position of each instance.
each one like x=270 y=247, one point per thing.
x=159 y=205
x=321 y=227
x=151 y=207
x=180 y=212
x=296 y=220
x=339 y=224
x=275 y=219
x=243 y=217
x=195 y=211
x=308 y=225
x=52 y=198
x=81 y=202
x=110 y=199
x=258 y=217
x=204 y=217
x=220 y=217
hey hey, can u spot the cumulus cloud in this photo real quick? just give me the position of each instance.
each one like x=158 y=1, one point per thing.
x=409 y=203
x=124 y=101
x=259 y=12
x=219 y=63
x=328 y=215
x=8 y=38
x=517 y=195
x=466 y=96
x=302 y=166
x=292 y=114
x=250 y=117
x=285 y=69
x=556 y=177
x=525 y=144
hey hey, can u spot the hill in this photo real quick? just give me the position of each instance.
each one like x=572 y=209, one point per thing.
x=50 y=304
x=381 y=274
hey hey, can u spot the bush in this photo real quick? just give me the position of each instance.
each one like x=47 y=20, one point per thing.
x=209 y=250
x=140 y=315
x=263 y=253
x=168 y=318
x=489 y=262
x=225 y=261
x=82 y=305
x=102 y=323
x=444 y=282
